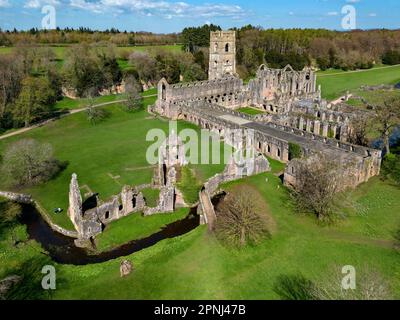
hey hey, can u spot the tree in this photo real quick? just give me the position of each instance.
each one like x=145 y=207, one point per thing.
x=86 y=68
x=134 y=100
x=359 y=126
x=391 y=167
x=241 y=219
x=11 y=75
x=387 y=117
x=35 y=100
x=295 y=151
x=145 y=65
x=28 y=162
x=317 y=182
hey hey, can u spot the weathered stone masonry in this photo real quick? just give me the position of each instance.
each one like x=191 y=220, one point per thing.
x=294 y=113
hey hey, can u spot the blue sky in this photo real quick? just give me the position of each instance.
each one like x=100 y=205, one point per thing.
x=164 y=16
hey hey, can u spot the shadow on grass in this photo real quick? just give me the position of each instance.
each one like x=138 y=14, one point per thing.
x=30 y=287
x=294 y=287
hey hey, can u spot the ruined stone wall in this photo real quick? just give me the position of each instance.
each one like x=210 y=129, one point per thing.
x=228 y=92
x=272 y=88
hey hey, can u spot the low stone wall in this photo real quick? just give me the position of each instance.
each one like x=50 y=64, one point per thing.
x=27 y=199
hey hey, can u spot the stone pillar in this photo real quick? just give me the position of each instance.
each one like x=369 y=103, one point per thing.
x=308 y=125
x=127 y=200
x=325 y=129
x=285 y=155
x=334 y=130
x=343 y=133
x=317 y=127
x=323 y=116
x=301 y=123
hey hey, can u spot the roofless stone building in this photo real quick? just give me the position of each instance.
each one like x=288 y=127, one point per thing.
x=294 y=112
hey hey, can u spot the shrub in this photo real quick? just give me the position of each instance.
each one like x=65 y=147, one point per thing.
x=295 y=151
x=391 y=167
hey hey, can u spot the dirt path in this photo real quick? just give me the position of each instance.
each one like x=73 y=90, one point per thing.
x=41 y=124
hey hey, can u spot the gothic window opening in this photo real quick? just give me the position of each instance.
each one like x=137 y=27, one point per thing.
x=227 y=47
x=164 y=92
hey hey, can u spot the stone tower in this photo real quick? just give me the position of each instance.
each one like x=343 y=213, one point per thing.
x=222 y=54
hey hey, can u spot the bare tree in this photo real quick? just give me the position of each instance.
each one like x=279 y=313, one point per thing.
x=28 y=162
x=370 y=285
x=241 y=219
x=359 y=126
x=388 y=117
x=317 y=182
x=134 y=100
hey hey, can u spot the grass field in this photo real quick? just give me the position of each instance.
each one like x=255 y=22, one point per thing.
x=197 y=266
x=135 y=227
x=105 y=156
x=335 y=84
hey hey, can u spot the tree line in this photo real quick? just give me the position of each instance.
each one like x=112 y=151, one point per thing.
x=72 y=36
x=319 y=48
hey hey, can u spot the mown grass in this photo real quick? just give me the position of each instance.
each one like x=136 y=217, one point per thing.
x=106 y=156
x=250 y=111
x=135 y=227
x=335 y=84
x=197 y=266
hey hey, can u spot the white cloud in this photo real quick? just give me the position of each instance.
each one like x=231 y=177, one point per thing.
x=4 y=4
x=164 y=8
x=35 y=4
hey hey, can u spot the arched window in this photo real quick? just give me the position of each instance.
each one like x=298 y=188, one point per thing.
x=216 y=47
x=215 y=63
x=227 y=47
x=164 y=92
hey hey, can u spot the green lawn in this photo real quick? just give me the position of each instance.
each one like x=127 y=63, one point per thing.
x=197 y=266
x=335 y=84
x=250 y=111
x=105 y=156
x=135 y=227
x=71 y=104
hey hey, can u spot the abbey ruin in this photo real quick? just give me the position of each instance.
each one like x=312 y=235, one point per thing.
x=293 y=113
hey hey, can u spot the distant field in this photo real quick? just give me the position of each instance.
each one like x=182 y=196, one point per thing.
x=336 y=82
x=60 y=51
